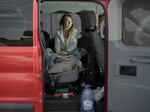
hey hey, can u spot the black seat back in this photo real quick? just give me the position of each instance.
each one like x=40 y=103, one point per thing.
x=92 y=42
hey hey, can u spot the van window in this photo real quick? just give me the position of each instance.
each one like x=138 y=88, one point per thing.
x=16 y=22
x=71 y=6
x=136 y=22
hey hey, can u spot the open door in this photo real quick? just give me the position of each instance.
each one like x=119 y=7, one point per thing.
x=129 y=56
x=20 y=70
x=86 y=21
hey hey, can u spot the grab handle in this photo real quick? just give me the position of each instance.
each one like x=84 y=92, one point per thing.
x=145 y=60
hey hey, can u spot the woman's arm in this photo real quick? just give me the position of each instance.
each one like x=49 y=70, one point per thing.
x=72 y=45
x=57 y=44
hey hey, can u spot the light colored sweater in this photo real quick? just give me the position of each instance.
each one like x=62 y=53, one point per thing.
x=71 y=43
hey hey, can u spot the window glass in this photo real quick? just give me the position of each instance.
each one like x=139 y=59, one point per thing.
x=16 y=22
x=72 y=6
x=136 y=22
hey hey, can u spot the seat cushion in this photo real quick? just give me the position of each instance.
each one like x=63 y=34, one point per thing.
x=62 y=67
x=66 y=69
x=68 y=76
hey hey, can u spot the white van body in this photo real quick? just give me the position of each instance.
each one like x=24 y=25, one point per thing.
x=129 y=56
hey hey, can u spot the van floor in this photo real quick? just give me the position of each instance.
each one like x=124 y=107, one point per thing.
x=71 y=104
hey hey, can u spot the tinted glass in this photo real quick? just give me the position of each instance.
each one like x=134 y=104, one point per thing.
x=136 y=22
x=16 y=22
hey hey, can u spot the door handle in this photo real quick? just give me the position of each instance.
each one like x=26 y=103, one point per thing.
x=145 y=60
x=128 y=70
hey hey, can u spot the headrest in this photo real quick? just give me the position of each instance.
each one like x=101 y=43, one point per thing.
x=88 y=20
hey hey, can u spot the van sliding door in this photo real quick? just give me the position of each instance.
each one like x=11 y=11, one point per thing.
x=17 y=91
x=129 y=56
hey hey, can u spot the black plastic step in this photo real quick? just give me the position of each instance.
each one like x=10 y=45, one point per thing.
x=71 y=104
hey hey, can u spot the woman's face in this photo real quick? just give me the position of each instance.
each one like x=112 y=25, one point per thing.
x=67 y=23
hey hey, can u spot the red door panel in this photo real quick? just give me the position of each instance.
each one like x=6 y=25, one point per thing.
x=16 y=74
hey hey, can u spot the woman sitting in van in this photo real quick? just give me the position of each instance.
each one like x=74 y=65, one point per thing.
x=66 y=37
x=67 y=55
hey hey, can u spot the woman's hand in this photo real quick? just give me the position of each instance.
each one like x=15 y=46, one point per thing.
x=63 y=53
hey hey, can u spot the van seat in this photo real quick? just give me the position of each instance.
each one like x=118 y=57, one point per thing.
x=63 y=72
x=50 y=24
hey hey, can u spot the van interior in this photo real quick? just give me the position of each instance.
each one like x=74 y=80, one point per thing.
x=62 y=88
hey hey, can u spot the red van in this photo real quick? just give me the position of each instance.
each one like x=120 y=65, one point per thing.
x=26 y=29
x=115 y=39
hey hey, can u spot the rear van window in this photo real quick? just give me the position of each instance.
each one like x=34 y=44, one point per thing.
x=16 y=22
x=136 y=22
